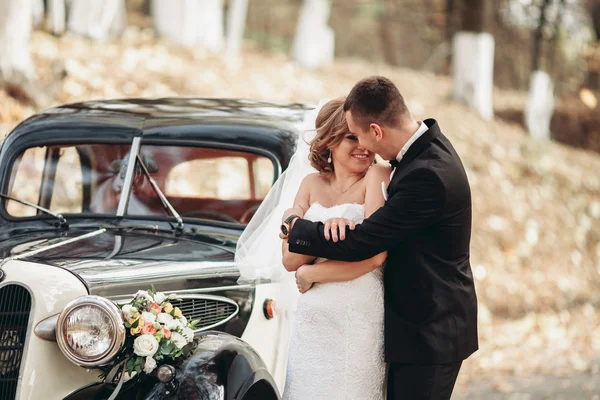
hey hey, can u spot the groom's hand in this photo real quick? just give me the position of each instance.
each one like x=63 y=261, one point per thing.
x=335 y=228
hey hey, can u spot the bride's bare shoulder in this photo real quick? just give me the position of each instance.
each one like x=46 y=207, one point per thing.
x=313 y=180
x=379 y=172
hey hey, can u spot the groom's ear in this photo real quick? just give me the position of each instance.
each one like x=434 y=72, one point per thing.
x=377 y=130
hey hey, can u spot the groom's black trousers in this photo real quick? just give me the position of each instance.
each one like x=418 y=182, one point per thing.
x=421 y=382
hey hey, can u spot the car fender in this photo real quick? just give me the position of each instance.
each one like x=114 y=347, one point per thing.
x=221 y=367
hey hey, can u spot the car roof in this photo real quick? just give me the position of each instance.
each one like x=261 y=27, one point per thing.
x=251 y=123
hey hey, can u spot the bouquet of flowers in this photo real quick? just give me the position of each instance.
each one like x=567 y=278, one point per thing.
x=156 y=333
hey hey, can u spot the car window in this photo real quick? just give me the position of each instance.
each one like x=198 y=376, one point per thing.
x=221 y=177
x=26 y=181
x=201 y=182
x=68 y=178
x=67 y=191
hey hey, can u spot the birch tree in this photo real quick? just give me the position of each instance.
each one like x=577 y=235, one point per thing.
x=314 y=40
x=97 y=19
x=15 y=31
x=473 y=61
x=190 y=23
x=236 y=23
x=56 y=16
x=37 y=12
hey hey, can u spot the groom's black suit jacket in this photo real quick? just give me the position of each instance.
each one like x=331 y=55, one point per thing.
x=425 y=226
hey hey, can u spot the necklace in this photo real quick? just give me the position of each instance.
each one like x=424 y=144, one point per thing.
x=348 y=188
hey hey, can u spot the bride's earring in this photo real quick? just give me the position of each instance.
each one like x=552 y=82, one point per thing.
x=329 y=159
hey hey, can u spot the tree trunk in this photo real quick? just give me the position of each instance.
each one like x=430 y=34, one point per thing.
x=56 y=17
x=538 y=37
x=473 y=16
x=314 y=40
x=595 y=13
x=540 y=106
x=473 y=71
x=388 y=33
x=97 y=19
x=38 y=12
x=190 y=23
x=236 y=23
x=449 y=31
x=15 y=31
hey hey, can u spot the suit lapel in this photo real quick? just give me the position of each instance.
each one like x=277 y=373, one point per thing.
x=432 y=133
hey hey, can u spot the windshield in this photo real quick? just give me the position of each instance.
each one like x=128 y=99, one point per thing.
x=199 y=182
x=85 y=178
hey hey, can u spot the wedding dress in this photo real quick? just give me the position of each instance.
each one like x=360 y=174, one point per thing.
x=336 y=349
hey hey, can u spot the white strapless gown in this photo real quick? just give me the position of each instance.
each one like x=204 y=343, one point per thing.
x=336 y=349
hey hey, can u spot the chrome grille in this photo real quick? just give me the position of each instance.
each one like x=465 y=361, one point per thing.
x=15 y=306
x=212 y=311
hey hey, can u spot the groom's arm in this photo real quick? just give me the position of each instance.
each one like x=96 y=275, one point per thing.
x=412 y=207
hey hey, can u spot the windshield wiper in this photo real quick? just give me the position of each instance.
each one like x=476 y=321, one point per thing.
x=162 y=197
x=62 y=222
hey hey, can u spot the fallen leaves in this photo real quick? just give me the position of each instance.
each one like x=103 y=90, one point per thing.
x=536 y=206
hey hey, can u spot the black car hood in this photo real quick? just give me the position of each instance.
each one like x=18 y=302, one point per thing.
x=116 y=259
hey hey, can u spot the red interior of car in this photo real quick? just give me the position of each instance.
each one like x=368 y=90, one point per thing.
x=160 y=160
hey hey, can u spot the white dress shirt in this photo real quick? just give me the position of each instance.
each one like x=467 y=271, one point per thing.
x=422 y=129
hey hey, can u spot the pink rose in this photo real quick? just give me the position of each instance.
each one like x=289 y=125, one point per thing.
x=166 y=332
x=156 y=308
x=148 y=329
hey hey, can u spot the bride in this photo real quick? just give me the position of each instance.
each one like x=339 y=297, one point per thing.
x=336 y=350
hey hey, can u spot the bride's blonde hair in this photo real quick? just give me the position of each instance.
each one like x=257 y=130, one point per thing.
x=331 y=127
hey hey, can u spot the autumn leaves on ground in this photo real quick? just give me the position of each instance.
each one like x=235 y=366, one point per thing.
x=536 y=206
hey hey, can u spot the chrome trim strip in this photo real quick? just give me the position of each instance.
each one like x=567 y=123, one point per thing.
x=123 y=300
x=128 y=297
x=133 y=152
x=142 y=274
x=52 y=246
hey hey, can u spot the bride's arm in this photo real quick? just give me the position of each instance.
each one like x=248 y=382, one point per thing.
x=340 y=271
x=291 y=261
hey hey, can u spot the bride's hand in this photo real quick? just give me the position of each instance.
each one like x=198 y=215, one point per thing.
x=336 y=227
x=303 y=281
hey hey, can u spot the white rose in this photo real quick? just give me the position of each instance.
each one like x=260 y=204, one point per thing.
x=183 y=321
x=149 y=365
x=144 y=294
x=172 y=324
x=188 y=334
x=178 y=339
x=126 y=310
x=148 y=317
x=159 y=297
x=172 y=296
x=145 y=345
x=164 y=318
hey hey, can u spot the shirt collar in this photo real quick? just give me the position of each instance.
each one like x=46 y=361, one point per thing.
x=422 y=129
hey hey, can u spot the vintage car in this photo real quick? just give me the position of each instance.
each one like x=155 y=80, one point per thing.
x=101 y=199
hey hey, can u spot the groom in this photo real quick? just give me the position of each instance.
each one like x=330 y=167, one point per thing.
x=425 y=226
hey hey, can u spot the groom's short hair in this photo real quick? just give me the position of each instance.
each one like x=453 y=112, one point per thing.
x=376 y=100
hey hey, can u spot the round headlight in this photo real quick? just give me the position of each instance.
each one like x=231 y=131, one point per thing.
x=90 y=331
